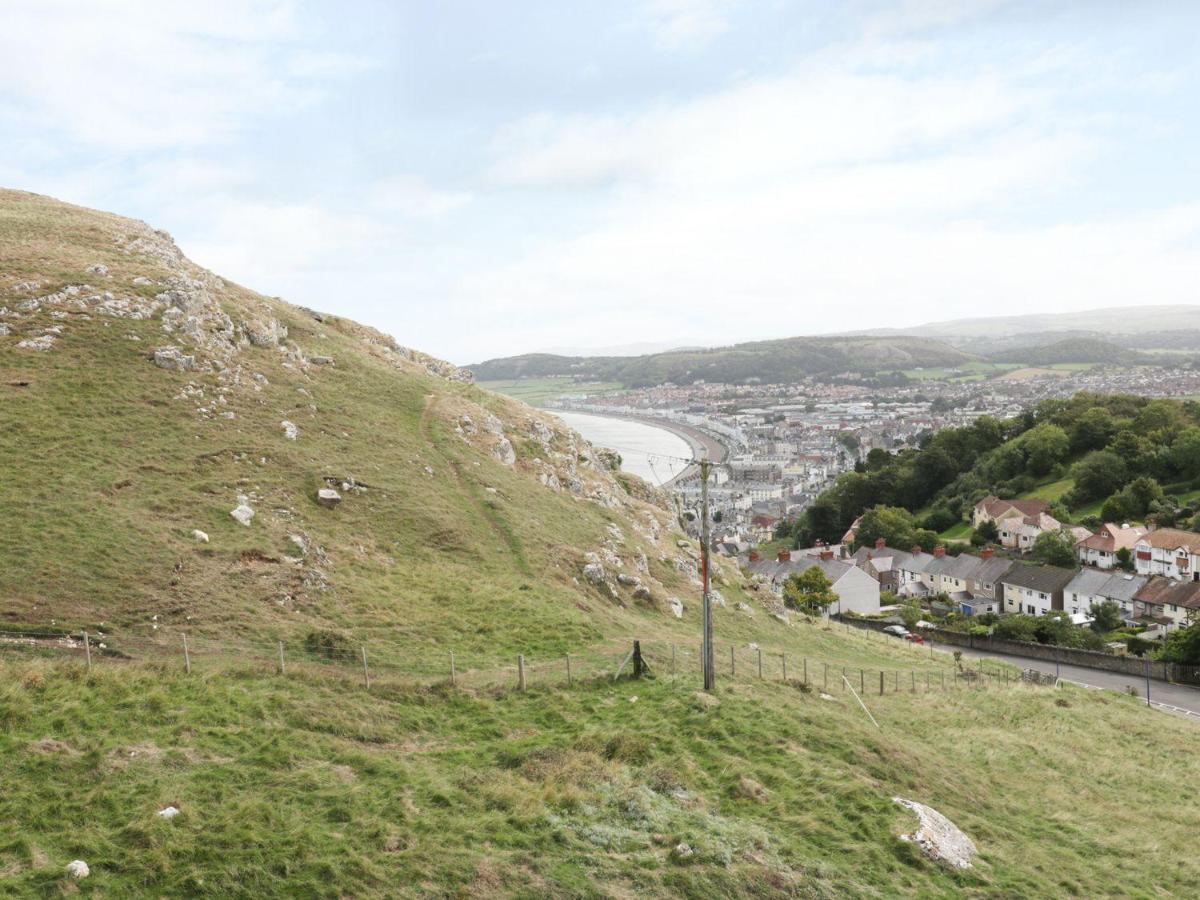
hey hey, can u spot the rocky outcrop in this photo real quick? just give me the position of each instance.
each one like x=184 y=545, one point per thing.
x=938 y=837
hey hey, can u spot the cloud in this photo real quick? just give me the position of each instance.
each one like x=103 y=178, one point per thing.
x=118 y=75
x=686 y=24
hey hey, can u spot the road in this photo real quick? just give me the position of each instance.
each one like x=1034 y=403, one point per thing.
x=1173 y=697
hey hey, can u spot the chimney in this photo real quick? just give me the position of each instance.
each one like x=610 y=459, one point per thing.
x=939 y=550
x=753 y=556
x=987 y=552
x=880 y=543
x=785 y=556
x=826 y=554
x=916 y=548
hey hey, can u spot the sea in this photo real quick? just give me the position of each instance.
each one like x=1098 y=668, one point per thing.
x=652 y=453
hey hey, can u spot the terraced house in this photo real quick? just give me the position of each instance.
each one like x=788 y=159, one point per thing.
x=1034 y=590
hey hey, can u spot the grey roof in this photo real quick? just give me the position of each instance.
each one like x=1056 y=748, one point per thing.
x=1103 y=583
x=773 y=569
x=993 y=570
x=964 y=566
x=1047 y=579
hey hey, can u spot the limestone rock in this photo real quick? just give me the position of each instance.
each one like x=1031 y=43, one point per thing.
x=504 y=452
x=328 y=497
x=4 y=330
x=938 y=837
x=77 y=869
x=265 y=332
x=594 y=572
x=290 y=431
x=676 y=607
x=173 y=359
x=97 y=269
x=200 y=536
x=629 y=580
x=321 y=360
x=242 y=513
x=42 y=344
x=682 y=852
x=142 y=280
x=168 y=813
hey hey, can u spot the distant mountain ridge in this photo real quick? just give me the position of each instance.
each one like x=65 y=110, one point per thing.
x=776 y=361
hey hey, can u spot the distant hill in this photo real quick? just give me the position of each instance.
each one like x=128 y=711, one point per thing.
x=1108 y=321
x=1071 y=350
x=778 y=361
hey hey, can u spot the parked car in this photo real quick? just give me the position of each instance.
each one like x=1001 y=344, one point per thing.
x=915 y=638
x=897 y=631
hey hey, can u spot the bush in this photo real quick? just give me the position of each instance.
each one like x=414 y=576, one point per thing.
x=329 y=644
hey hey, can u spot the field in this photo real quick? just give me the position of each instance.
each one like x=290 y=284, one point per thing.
x=960 y=532
x=539 y=391
x=311 y=786
x=1051 y=491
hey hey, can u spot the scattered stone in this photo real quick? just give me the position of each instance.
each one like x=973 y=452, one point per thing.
x=300 y=542
x=268 y=333
x=676 y=607
x=174 y=359
x=77 y=869
x=242 y=513
x=142 y=280
x=641 y=592
x=290 y=431
x=169 y=813
x=744 y=607
x=43 y=343
x=938 y=837
x=594 y=572
x=328 y=497
x=321 y=360
x=97 y=269
x=825 y=696
x=4 y=330
x=200 y=536
x=682 y=852
x=504 y=452
x=629 y=580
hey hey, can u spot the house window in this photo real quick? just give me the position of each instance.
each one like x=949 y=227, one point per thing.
x=1041 y=596
x=1032 y=609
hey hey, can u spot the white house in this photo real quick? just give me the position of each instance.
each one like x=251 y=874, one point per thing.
x=857 y=591
x=1100 y=550
x=1169 y=552
x=1093 y=586
x=1034 y=590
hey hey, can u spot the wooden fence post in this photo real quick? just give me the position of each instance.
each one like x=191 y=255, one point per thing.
x=87 y=649
x=187 y=658
x=639 y=664
x=862 y=682
x=453 y=670
x=672 y=660
x=760 y=663
x=783 y=661
x=366 y=671
x=568 y=670
x=281 y=657
x=732 y=662
x=521 y=671
x=881 y=682
x=914 y=681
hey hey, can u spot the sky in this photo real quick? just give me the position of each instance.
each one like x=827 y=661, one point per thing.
x=482 y=179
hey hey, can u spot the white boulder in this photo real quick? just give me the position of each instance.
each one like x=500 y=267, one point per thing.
x=169 y=813
x=290 y=431
x=328 y=497
x=938 y=837
x=242 y=513
x=77 y=869
x=200 y=536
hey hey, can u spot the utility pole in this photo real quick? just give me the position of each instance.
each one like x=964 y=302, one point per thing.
x=710 y=675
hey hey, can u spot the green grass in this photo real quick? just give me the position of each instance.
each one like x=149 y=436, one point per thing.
x=974 y=370
x=310 y=786
x=1050 y=491
x=538 y=391
x=960 y=532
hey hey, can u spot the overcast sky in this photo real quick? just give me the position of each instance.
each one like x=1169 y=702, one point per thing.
x=488 y=178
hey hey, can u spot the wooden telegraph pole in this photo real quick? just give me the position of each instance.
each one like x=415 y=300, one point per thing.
x=710 y=675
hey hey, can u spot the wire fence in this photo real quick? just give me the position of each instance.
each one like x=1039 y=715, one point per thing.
x=682 y=663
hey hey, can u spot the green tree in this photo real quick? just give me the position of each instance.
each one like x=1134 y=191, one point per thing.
x=1106 y=616
x=1125 y=560
x=911 y=613
x=1097 y=475
x=1045 y=446
x=809 y=591
x=987 y=532
x=1183 y=646
x=1093 y=430
x=877 y=459
x=1115 y=510
x=1185 y=452
x=893 y=524
x=1159 y=420
x=1054 y=548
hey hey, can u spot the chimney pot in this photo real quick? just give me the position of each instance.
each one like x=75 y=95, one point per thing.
x=987 y=552
x=880 y=543
x=753 y=556
x=826 y=554
x=785 y=556
x=939 y=550
x=916 y=548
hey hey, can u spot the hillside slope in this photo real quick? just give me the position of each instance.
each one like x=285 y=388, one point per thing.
x=142 y=397
x=775 y=361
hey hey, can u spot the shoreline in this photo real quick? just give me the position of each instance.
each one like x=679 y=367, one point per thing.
x=698 y=440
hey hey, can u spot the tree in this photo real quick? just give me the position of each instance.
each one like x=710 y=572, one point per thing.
x=849 y=440
x=911 y=613
x=987 y=532
x=1093 y=430
x=1106 y=617
x=893 y=524
x=877 y=459
x=1054 y=548
x=809 y=591
x=1115 y=510
x=1125 y=559
x=1183 y=646
x=1185 y=452
x=1045 y=446
x=1097 y=475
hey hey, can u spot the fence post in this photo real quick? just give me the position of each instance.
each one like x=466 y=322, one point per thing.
x=862 y=682
x=1146 y=669
x=521 y=671
x=87 y=649
x=453 y=670
x=366 y=671
x=914 y=681
x=760 y=663
x=569 y=669
x=672 y=660
x=783 y=660
x=732 y=662
x=639 y=664
x=881 y=682
x=187 y=658
x=281 y=657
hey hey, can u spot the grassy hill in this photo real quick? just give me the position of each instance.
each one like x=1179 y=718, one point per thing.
x=141 y=398
x=776 y=361
x=1071 y=350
